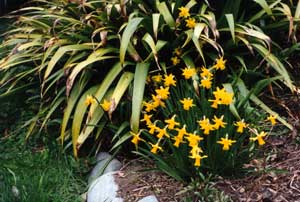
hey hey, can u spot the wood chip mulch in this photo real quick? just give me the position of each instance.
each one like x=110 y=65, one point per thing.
x=135 y=183
x=276 y=178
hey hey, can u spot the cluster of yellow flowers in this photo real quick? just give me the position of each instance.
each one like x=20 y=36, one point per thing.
x=106 y=105
x=184 y=13
x=171 y=129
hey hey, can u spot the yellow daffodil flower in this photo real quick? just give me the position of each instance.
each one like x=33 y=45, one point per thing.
x=219 y=122
x=184 y=12
x=162 y=132
x=190 y=23
x=163 y=93
x=219 y=93
x=220 y=64
x=169 y=80
x=193 y=139
x=215 y=103
x=181 y=131
x=272 y=119
x=178 y=141
x=188 y=72
x=206 y=126
x=148 y=106
x=196 y=150
x=157 y=101
x=259 y=138
x=157 y=78
x=155 y=147
x=196 y=155
x=152 y=128
x=223 y=96
x=136 y=138
x=172 y=123
x=187 y=103
x=147 y=119
x=177 y=51
x=198 y=159
x=106 y=105
x=226 y=143
x=240 y=126
x=89 y=100
x=206 y=83
x=148 y=79
x=205 y=73
x=175 y=60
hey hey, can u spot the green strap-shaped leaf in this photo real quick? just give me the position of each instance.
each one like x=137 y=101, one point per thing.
x=190 y=4
x=74 y=96
x=232 y=107
x=52 y=109
x=141 y=72
x=276 y=64
x=155 y=23
x=60 y=53
x=29 y=45
x=264 y=5
x=115 y=98
x=93 y=57
x=165 y=12
x=154 y=47
x=79 y=114
x=297 y=15
x=263 y=11
x=230 y=21
x=126 y=36
x=105 y=84
x=262 y=105
x=121 y=87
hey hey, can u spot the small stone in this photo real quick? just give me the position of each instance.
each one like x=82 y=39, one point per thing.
x=114 y=165
x=151 y=198
x=242 y=190
x=15 y=191
x=102 y=156
x=102 y=160
x=104 y=189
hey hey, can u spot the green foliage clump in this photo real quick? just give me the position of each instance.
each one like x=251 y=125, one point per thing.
x=82 y=57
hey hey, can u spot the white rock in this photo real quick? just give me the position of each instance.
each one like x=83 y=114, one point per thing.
x=151 y=198
x=113 y=165
x=104 y=189
x=103 y=155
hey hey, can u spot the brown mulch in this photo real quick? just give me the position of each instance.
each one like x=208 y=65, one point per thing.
x=135 y=183
x=276 y=178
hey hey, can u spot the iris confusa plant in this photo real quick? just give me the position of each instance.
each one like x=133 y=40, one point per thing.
x=189 y=124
